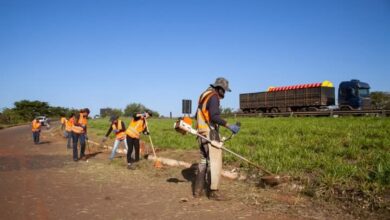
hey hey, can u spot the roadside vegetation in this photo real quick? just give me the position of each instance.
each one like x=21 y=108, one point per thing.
x=344 y=158
x=25 y=111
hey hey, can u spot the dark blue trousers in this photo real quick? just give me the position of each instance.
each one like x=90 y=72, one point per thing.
x=76 y=137
x=36 y=137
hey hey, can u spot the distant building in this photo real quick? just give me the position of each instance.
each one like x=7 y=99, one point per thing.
x=105 y=112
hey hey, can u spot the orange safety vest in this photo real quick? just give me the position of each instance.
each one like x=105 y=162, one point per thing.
x=69 y=124
x=78 y=129
x=135 y=128
x=63 y=120
x=120 y=135
x=202 y=114
x=36 y=126
x=83 y=119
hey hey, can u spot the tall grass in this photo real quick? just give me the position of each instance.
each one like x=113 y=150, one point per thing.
x=346 y=153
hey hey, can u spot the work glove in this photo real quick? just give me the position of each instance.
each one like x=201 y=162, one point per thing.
x=104 y=139
x=146 y=133
x=234 y=128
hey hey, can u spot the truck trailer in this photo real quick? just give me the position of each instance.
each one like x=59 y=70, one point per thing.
x=353 y=95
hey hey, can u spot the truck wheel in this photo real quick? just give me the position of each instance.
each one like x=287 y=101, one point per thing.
x=313 y=109
x=346 y=108
x=259 y=111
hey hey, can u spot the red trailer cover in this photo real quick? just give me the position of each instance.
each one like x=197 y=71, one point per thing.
x=301 y=86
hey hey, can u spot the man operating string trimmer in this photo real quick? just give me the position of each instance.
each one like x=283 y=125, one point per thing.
x=208 y=122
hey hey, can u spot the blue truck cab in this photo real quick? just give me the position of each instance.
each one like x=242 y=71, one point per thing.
x=354 y=95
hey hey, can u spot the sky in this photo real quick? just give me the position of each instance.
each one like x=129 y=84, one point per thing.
x=109 y=53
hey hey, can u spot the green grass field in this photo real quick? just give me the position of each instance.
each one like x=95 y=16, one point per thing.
x=328 y=155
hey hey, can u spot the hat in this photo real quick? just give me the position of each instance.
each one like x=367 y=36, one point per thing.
x=113 y=118
x=86 y=110
x=221 y=82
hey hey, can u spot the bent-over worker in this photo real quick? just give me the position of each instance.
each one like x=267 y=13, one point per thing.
x=119 y=128
x=133 y=133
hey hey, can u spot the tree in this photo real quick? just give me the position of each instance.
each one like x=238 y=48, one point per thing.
x=26 y=110
x=58 y=111
x=133 y=108
x=117 y=112
x=380 y=100
x=30 y=109
x=227 y=111
x=108 y=112
x=9 y=116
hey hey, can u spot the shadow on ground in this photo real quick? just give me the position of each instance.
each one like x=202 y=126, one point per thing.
x=92 y=155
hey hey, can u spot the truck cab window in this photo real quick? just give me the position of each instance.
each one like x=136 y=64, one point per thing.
x=364 y=92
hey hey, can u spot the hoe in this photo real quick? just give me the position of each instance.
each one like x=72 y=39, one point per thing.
x=269 y=179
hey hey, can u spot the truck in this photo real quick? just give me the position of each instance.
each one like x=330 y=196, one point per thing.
x=352 y=95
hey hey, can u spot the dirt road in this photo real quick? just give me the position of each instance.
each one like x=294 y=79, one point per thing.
x=42 y=182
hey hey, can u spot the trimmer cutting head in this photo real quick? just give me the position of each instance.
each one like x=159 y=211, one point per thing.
x=274 y=180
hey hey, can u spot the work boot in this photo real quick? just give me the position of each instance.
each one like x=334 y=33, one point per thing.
x=199 y=183
x=130 y=166
x=217 y=196
x=198 y=191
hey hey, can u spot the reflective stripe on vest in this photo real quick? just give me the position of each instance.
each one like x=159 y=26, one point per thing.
x=36 y=126
x=202 y=114
x=120 y=135
x=69 y=124
x=135 y=128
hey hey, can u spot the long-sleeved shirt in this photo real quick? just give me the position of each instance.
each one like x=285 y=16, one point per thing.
x=136 y=118
x=215 y=114
x=110 y=129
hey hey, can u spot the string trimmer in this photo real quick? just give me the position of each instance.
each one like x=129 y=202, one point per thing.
x=270 y=178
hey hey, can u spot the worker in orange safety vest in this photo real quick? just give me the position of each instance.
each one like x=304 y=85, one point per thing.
x=63 y=122
x=68 y=129
x=133 y=133
x=208 y=123
x=119 y=128
x=79 y=132
x=36 y=130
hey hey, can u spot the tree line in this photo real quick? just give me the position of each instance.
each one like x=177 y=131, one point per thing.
x=380 y=100
x=25 y=111
x=128 y=111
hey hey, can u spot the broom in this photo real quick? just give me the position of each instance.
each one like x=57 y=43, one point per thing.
x=157 y=163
